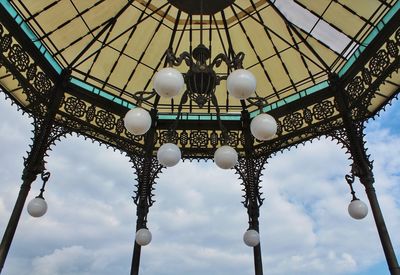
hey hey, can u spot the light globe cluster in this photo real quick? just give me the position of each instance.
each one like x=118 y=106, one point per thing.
x=168 y=83
x=241 y=84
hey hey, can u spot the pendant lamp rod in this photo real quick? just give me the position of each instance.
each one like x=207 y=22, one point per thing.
x=201 y=21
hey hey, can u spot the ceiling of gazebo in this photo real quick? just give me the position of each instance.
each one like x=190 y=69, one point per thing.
x=290 y=46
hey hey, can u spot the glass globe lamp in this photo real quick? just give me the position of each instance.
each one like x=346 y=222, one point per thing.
x=168 y=155
x=263 y=127
x=357 y=209
x=251 y=238
x=168 y=82
x=37 y=207
x=143 y=237
x=241 y=84
x=225 y=157
x=137 y=121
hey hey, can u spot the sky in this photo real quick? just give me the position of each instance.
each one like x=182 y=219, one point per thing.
x=198 y=221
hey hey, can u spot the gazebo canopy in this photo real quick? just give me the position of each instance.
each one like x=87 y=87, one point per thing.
x=322 y=68
x=113 y=48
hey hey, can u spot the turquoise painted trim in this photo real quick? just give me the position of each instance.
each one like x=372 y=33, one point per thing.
x=205 y=117
x=289 y=99
x=102 y=93
x=370 y=38
x=18 y=19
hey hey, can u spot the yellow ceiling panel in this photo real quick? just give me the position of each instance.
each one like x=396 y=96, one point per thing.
x=280 y=60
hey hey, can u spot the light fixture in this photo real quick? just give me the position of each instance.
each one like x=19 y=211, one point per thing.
x=241 y=84
x=201 y=81
x=251 y=238
x=37 y=207
x=137 y=121
x=168 y=82
x=143 y=237
x=263 y=127
x=225 y=157
x=357 y=208
x=169 y=154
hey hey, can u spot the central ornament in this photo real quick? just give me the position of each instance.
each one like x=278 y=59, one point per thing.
x=196 y=7
x=201 y=79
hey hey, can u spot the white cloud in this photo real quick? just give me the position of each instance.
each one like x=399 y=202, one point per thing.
x=197 y=220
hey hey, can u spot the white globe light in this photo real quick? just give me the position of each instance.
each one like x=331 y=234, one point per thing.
x=263 y=127
x=241 y=84
x=137 y=121
x=251 y=238
x=168 y=82
x=357 y=209
x=225 y=157
x=168 y=155
x=143 y=237
x=37 y=207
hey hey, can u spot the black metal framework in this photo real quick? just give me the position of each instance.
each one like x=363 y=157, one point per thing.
x=46 y=133
x=61 y=107
x=201 y=79
x=147 y=170
x=362 y=168
x=207 y=7
x=249 y=169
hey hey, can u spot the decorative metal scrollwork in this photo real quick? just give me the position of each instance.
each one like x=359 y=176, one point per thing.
x=323 y=110
x=42 y=83
x=198 y=139
x=356 y=87
x=75 y=107
x=250 y=172
x=147 y=171
x=292 y=122
x=19 y=58
x=5 y=42
x=372 y=75
x=105 y=120
x=379 y=62
x=392 y=48
x=142 y=96
x=201 y=79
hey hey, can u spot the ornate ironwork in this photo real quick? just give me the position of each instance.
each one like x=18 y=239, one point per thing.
x=201 y=79
x=362 y=87
x=45 y=178
x=315 y=118
x=147 y=171
x=250 y=172
x=319 y=114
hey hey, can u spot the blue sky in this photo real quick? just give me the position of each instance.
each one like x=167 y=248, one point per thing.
x=197 y=221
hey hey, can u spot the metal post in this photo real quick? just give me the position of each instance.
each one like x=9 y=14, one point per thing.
x=142 y=211
x=146 y=173
x=141 y=222
x=251 y=177
x=34 y=165
x=14 y=218
x=390 y=255
x=362 y=168
x=258 y=268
